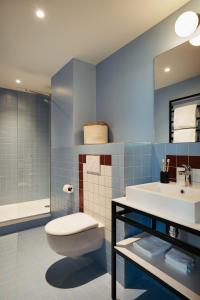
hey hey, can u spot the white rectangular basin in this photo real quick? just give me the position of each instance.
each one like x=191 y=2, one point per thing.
x=177 y=201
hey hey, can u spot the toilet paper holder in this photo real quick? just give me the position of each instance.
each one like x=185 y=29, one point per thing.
x=68 y=188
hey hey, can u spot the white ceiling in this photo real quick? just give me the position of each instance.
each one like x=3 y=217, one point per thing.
x=184 y=62
x=33 y=50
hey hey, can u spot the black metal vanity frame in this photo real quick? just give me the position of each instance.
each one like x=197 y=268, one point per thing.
x=119 y=212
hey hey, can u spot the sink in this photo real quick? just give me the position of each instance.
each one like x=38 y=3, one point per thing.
x=173 y=199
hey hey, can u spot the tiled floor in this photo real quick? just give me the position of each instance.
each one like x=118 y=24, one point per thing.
x=30 y=270
x=23 y=210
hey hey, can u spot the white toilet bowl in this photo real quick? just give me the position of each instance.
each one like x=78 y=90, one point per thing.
x=75 y=234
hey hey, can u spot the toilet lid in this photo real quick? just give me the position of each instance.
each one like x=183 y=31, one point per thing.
x=71 y=224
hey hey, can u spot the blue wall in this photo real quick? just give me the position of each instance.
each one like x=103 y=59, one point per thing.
x=62 y=107
x=73 y=104
x=125 y=82
x=162 y=98
x=84 y=82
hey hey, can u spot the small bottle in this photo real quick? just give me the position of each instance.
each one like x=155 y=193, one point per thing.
x=173 y=231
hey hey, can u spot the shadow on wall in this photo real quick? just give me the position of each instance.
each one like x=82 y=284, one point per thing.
x=73 y=272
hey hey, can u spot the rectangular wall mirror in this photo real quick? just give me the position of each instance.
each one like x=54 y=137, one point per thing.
x=177 y=95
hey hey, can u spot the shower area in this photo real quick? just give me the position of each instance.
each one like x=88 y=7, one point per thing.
x=24 y=156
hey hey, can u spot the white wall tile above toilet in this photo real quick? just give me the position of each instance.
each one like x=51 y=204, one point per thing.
x=97 y=194
x=108 y=171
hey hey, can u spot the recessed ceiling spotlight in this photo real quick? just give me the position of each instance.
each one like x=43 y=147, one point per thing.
x=186 y=24
x=167 y=69
x=40 y=13
x=18 y=81
x=195 y=41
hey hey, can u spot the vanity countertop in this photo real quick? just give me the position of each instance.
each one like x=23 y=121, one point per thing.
x=161 y=214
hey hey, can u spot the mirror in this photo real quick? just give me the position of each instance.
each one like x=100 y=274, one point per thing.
x=177 y=95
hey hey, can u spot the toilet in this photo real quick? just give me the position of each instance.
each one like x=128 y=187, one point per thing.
x=74 y=235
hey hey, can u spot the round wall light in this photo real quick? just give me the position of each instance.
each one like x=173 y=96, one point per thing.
x=195 y=41
x=186 y=24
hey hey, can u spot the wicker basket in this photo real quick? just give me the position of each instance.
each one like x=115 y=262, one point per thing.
x=95 y=133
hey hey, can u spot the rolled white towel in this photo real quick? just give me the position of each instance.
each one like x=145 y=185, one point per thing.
x=185 y=116
x=179 y=261
x=151 y=246
x=185 y=135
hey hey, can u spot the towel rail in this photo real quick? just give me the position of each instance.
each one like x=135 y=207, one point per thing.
x=173 y=102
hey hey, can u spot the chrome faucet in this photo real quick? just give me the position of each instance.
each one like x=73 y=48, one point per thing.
x=187 y=173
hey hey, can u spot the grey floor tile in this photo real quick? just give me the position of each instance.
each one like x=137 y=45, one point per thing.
x=30 y=270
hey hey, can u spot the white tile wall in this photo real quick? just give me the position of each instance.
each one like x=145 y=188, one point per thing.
x=97 y=193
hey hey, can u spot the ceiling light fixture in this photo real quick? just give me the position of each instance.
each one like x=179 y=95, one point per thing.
x=40 y=13
x=18 y=81
x=167 y=69
x=186 y=24
x=195 y=41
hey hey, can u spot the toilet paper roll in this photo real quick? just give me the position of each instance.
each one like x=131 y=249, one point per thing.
x=68 y=188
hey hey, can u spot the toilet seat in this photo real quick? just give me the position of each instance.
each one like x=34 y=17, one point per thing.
x=71 y=224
